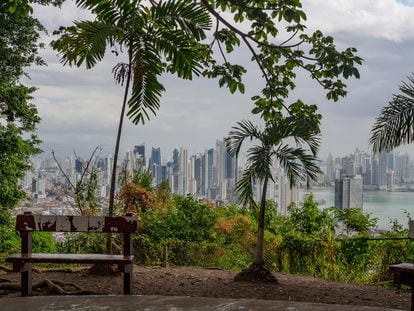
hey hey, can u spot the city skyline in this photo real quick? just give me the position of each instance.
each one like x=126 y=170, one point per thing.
x=80 y=108
x=212 y=175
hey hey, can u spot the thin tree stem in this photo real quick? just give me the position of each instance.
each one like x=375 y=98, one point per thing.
x=118 y=138
x=260 y=231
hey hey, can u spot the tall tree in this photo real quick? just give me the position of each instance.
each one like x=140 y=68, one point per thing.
x=157 y=39
x=19 y=34
x=395 y=125
x=298 y=162
x=170 y=36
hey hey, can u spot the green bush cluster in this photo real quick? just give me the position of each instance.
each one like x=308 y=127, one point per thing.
x=188 y=232
x=193 y=233
x=10 y=240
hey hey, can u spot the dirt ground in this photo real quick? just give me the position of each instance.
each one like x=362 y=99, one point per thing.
x=199 y=282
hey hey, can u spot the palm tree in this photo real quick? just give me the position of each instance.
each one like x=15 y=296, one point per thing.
x=157 y=39
x=395 y=125
x=298 y=163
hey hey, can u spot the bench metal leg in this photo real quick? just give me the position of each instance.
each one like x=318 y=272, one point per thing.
x=412 y=297
x=26 y=279
x=128 y=279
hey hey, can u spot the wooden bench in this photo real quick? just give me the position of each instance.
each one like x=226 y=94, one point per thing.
x=404 y=272
x=27 y=223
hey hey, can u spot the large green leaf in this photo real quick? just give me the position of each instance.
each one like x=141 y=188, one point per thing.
x=395 y=125
x=85 y=42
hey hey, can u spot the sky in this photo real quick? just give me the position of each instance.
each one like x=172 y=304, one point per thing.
x=80 y=108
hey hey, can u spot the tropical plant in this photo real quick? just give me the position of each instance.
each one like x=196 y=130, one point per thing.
x=298 y=163
x=157 y=39
x=19 y=34
x=168 y=36
x=83 y=190
x=395 y=125
x=355 y=220
x=310 y=221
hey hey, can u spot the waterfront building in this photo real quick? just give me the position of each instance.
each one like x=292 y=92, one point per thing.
x=390 y=179
x=383 y=167
x=330 y=169
x=348 y=192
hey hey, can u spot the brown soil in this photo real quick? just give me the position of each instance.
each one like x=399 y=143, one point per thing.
x=199 y=282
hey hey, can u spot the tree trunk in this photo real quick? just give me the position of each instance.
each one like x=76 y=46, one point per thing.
x=118 y=140
x=118 y=137
x=259 y=259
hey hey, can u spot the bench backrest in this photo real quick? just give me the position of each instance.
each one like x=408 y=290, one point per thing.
x=117 y=224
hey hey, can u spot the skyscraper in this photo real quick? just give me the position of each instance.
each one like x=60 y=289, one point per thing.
x=139 y=152
x=330 y=169
x=155 y=165
x=348 y=192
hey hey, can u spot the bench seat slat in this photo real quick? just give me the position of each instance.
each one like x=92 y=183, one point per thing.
x=403 y=267
x=70 y=258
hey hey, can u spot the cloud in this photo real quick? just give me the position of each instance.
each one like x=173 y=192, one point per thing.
x=80 y=108
x=389 y=19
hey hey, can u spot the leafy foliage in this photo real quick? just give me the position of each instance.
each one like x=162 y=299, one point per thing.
x=355 y=220
x=310 y=221
x=158 y=39
x=278 y=59
x=19 y=34
x=297 y=163
x=9 y=240
x=189 y=232
x=395 y=125
x=169 y=37
x=83 y=190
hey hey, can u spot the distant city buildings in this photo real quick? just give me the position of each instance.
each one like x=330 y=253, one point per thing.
x=210 y=175
x=348 y=192
x=383 y=171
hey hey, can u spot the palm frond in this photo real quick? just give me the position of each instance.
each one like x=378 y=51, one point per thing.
x=184 y=56
x=84 y=43
x=298 y=164
x=244 y=130
x=146 y=89
x=395 y=125
x=186 y=15
x=260 y=161
x=109 y=11
x=304 y=133
x=244 y=188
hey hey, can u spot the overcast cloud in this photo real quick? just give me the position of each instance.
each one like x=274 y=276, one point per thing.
x=80 y=108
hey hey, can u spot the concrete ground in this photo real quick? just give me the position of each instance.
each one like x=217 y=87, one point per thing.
x=163 y=303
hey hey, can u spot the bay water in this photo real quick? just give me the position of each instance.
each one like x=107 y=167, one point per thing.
x=383 y=205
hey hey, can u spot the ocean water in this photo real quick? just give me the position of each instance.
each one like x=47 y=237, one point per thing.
x=383 y=205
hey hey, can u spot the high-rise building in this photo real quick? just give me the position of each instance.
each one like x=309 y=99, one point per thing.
x=207 y=172
x=383 y=165
x=155 y=165
x=176 y=161
x=348 y=192
x=390 y=179
x=330 y=169
x=183 y=172
x=139 y=152
x=198 y=174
